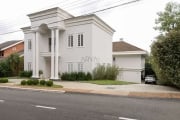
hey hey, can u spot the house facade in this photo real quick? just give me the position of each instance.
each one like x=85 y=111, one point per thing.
x=57 y=42
x=130 y=60
x=10 y=47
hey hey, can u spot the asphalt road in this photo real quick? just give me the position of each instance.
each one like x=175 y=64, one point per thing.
x=31 y=105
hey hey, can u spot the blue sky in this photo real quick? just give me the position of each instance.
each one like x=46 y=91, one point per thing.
x=134 y=22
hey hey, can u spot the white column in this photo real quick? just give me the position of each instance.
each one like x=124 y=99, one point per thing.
x=52 y=54
x=57 y=54
x=37 y=54
x=34 y=55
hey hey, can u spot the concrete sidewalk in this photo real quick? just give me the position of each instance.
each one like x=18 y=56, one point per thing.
x=137 y=90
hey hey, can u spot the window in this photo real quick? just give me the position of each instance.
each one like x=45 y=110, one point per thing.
x=49 y=44
x=80 y=67
x=29 y=66
x=29 y=45
x=70 y=67
x=80 y=40
x=70 y=41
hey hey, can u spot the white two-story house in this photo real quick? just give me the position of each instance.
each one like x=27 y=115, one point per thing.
x=58 y=42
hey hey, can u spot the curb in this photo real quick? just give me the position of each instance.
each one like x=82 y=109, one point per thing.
x=169 y=95
x=33 y=89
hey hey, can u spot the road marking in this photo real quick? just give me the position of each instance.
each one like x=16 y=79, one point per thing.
x=123 y=118
x=46 y=107
x=1 y=101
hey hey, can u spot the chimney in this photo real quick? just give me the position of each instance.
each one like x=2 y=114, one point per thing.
x=121 y=39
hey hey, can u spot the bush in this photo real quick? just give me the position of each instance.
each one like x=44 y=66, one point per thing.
x=75 y=76
x=29 y=82
x=81 y=76
x=99 y=72
x=102 y=72
x=49 y=83
x=25 y=74
x=23 y=82
x=35 y=82
x=88 y=76
x=42 y=82
x=3 y=80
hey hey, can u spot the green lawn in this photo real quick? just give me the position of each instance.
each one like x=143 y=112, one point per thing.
x=108 y=82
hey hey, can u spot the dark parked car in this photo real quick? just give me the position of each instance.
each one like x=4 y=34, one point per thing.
x=150 y=79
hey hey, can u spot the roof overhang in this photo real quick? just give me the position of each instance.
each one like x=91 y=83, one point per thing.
x=130 y=53
x=12 y=45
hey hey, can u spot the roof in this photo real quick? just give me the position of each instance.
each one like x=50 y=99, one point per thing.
x=8 y=43
x=121 y=46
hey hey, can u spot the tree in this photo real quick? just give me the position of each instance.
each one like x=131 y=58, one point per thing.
x=165 y=51
x=11 y=66
x=169 y=19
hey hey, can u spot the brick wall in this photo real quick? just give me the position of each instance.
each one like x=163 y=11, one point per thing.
x=14 y=49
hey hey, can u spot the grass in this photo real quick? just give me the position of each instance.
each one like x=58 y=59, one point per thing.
x=108 y=82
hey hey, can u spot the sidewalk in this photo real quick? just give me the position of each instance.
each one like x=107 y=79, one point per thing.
x=133 y=90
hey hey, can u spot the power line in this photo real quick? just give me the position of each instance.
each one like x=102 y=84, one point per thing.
x=101 y=10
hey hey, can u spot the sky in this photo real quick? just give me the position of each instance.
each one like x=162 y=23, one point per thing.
x=133 y=23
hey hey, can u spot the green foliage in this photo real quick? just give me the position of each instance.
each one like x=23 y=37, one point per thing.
x=29 y=82
x=11 y=66
x=23 y=82
x=169 y=19
x=99 y=72
x=102 y=72
x=88 y=76
x=75 y=76
x=49 y=83
x=165 y=52
x=166 y=58
x=5 y=70
x=3 y=80
x=35 y=82
x=25 y=74
x=42 y=82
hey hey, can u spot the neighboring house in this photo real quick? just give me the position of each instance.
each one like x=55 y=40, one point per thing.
x=10 y=47
x=57 y=42
x=131 y=61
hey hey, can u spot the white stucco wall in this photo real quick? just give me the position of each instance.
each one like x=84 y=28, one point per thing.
x=76 y=54
x=27 y=53
x=130 y=67
x=101 y=46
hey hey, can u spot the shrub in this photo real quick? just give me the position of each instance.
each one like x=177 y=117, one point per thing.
x=75 y=76
x=25 y=74
x=29 y=82
x=88 y=76
x=102 y=72
x=81 y=76
x=23 y=82
x=42 y=82
x=65 y=76
x=49 y=83
x=3 y=80
x=111 y=72
x=35 y=82
x=99 y=72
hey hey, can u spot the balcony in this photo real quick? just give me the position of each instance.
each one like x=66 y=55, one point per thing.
x=45 y=54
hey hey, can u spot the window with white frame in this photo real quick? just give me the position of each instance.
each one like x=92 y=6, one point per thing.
x=80 y=40
x=80 y=67
x=29 y=44
x=29 y=66
x=70 y=67
x=70 y=40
